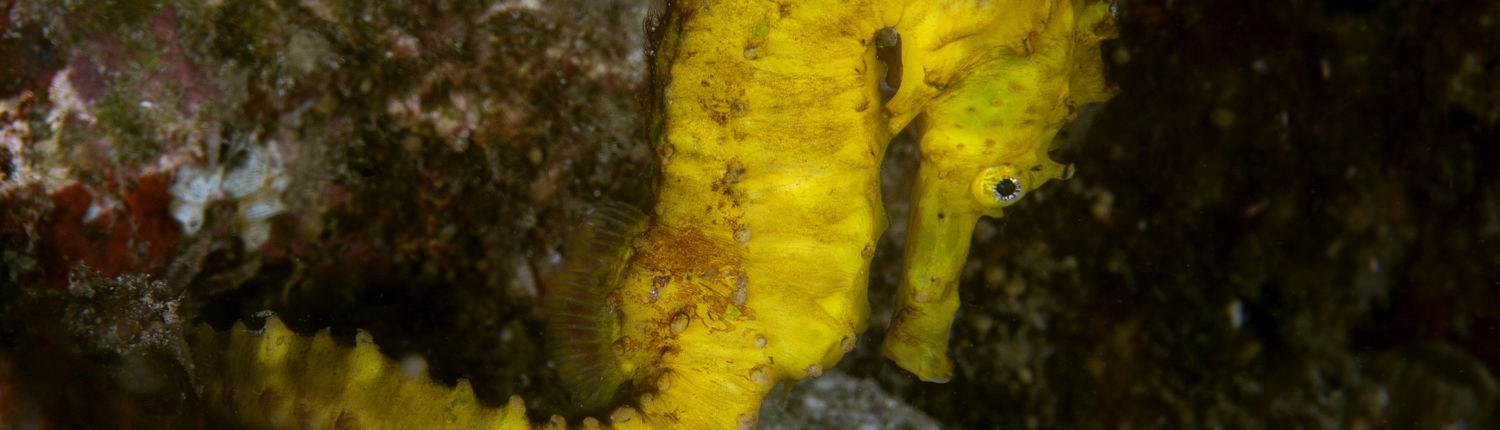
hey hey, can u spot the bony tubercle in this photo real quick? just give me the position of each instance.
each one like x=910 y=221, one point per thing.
x=761 y=117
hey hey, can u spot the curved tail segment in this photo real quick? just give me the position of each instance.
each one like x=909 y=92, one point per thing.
x=999 y=80
x=274 y=378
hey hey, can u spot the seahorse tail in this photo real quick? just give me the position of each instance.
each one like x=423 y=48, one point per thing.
x=274 y=378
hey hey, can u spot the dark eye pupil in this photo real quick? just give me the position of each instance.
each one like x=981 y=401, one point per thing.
x=1006 y=188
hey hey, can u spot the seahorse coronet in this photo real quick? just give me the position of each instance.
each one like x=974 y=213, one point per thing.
x=761 y=121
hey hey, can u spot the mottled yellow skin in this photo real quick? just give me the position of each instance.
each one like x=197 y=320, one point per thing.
x=273 y=378
x=770 y=157
x=1000 y=80
x=752 y=266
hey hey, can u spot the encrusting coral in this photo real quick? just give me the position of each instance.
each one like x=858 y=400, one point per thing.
x=751 y=268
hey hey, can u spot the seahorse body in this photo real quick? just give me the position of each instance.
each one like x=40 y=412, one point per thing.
x=752 y=266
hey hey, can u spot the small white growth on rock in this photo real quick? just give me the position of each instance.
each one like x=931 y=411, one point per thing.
x=65 y=101
x=195 y=187
x=255 y=234
x=248 y=177
x=197 y=184
x=254 y=184
x=101 y=205
x=261 y=209
x=523 y=283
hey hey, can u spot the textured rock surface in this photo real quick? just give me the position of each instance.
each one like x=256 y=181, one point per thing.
x=839 y=401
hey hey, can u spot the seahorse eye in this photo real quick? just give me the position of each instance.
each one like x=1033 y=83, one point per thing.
x=999 y=186
x=1008 y=190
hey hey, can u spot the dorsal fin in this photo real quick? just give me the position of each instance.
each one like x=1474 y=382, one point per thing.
x=582 y=324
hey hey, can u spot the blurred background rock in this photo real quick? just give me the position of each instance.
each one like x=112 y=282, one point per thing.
x=1287 y=218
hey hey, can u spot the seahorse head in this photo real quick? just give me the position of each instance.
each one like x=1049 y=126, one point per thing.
x=987 y=129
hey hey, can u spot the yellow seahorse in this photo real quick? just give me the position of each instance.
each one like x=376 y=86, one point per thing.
x=999 y=83
x=752 y=266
